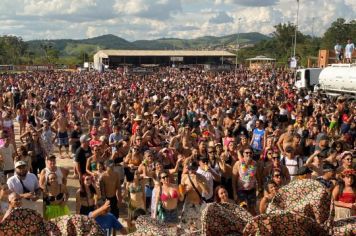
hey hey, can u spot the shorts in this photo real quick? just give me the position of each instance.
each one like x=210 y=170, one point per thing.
x=63 y=139
x=348 y=55
x=248 y=196
x=114 y=209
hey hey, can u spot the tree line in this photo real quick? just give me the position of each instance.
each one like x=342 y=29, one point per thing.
x=280 y=46
x=14 y=50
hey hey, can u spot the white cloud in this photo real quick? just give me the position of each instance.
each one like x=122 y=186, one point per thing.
x=148 y=19
x=221 y=18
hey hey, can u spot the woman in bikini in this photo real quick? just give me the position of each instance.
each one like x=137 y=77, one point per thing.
x=167 y=201
x=86 y=196
x=55 y=197
x=136 y=197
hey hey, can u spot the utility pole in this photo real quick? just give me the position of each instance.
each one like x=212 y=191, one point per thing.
x=295 y=32
x=237 y=44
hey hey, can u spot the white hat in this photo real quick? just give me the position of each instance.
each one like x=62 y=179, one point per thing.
x=138 y=118
x=20 y=163
x=84 y=138
x=166 y=98
x=146 y=114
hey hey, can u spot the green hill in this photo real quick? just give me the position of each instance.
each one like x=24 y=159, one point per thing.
x=76 y=48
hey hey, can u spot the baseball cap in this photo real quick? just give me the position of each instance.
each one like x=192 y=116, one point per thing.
x=327 y=167
x=20 y=163
x=304 y=170
x=84 y=138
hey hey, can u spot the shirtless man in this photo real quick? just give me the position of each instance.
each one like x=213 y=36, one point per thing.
x=286 y=139
x=228 y=120
x=9 y=98
x=89 y=117
x=51 y=167
x=111 y=188
x=61 y=125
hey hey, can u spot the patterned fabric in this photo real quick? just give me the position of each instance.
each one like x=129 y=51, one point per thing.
x=22 y=221
x=223 y=219
x=306 y=198
x=76 y=225
x=191 y=218
x=283 y=224
x=147 y=226
x=344 y=227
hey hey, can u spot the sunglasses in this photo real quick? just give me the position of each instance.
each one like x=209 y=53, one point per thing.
x=277 y=176
x=87 y=179
x=348 y=159
x=164 y=177
x=269 y=153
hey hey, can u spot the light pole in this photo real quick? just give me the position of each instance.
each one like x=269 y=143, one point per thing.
x=295 y=33
x=313 y=27
x=237 y=44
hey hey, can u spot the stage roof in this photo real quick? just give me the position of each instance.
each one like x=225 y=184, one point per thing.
x=168 y=53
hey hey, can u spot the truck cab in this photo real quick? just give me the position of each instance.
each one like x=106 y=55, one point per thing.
x=307 y=78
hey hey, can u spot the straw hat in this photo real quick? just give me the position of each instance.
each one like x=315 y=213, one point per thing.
x=138 y=118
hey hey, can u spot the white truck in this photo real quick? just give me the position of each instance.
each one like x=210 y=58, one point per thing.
x=307 y=78
x=338 y=79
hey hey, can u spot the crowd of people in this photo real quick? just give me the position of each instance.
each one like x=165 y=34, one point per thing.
x=167 y=144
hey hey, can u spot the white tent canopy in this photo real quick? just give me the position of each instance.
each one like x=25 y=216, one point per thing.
x=260 y=58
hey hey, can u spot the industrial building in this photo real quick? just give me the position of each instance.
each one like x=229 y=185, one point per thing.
x=115 y=58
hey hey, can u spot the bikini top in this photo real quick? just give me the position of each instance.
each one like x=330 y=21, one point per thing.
x=58 y=197
x=165 y=197
x=137 y=189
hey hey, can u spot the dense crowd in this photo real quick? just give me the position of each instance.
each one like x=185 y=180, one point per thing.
x=168 y=143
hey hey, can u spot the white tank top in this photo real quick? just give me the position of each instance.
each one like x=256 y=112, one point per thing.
x=58 y=173
x=292 y=166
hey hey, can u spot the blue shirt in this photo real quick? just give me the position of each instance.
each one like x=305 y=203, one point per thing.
x=115 y=138
x=257 y=139
x=108 y=222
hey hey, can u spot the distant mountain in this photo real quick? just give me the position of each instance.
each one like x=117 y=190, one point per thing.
x=75 y=48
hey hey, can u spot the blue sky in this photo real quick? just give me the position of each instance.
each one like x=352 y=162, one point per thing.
x=150 y=19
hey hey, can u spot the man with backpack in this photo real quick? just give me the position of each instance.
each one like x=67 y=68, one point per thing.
x=292 y=161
